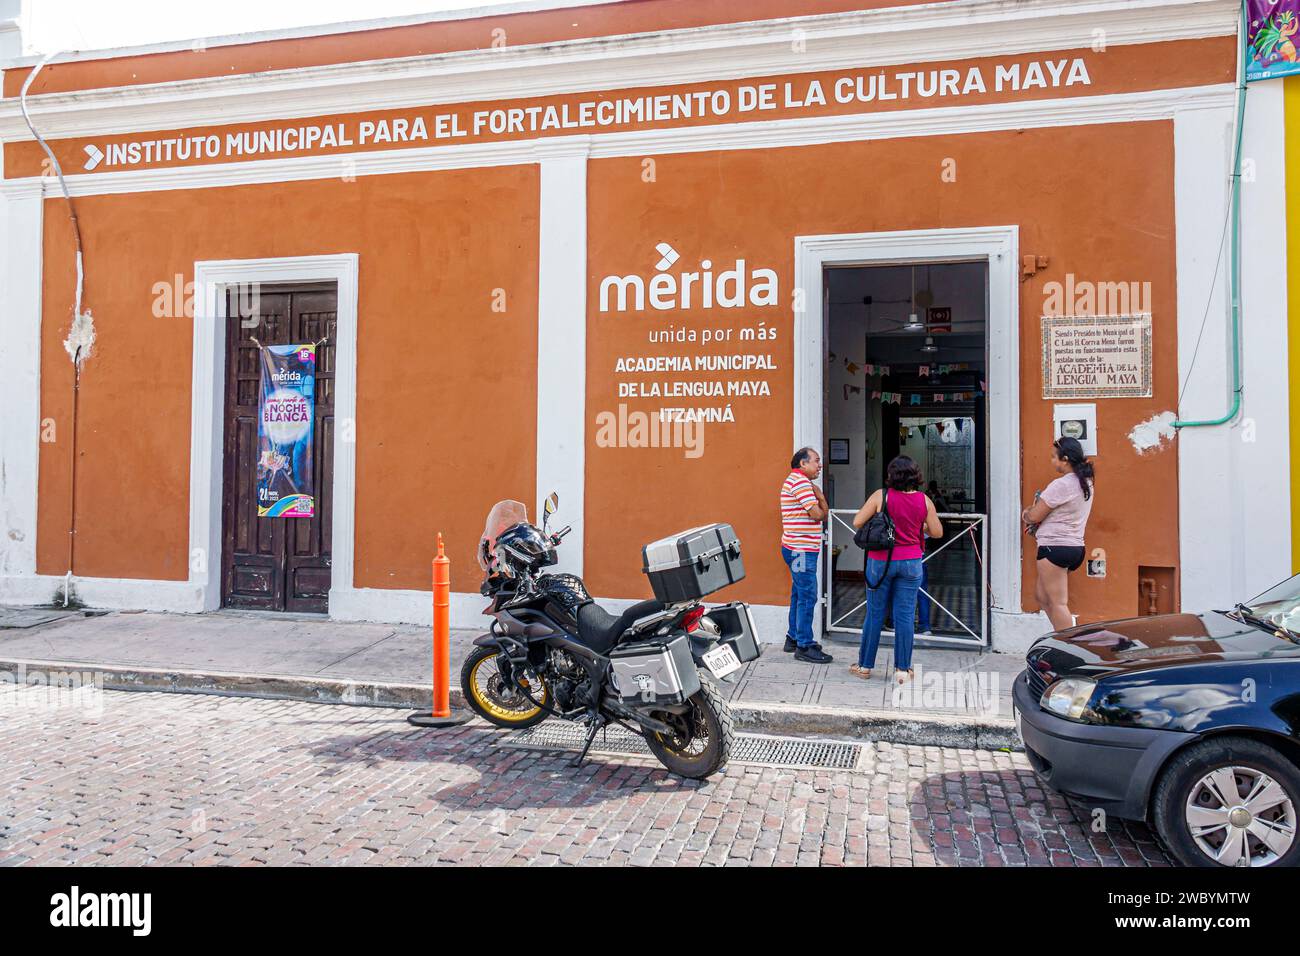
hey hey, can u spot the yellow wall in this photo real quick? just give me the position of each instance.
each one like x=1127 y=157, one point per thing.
x=1292 y=96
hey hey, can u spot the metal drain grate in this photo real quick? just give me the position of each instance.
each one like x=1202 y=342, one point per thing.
x=796 y=752
x=791 y=752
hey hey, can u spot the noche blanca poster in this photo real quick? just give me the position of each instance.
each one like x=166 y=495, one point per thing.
x=286 y=420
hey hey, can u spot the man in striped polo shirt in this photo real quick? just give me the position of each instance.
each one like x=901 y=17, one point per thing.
x=803 y=510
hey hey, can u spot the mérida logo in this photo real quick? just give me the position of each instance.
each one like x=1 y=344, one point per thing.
x=702 y=288
x=75 y=908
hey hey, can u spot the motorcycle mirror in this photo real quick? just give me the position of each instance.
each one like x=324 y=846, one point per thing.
x=552 y=502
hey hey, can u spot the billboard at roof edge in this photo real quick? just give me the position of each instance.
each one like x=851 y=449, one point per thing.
x=1271 y=39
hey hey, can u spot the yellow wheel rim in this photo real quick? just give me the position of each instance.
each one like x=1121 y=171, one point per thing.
x=496 y=708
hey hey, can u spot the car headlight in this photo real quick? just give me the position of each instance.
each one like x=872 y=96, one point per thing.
x=1069 y=698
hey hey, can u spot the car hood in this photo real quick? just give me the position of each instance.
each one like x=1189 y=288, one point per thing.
x=1148 y=643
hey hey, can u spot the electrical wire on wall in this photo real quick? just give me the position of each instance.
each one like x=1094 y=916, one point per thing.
x=81 y=336
x=1231 y=233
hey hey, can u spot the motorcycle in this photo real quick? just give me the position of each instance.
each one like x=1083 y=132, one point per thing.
x=654 y=669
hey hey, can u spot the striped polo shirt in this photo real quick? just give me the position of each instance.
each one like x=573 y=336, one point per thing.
x=799 y=532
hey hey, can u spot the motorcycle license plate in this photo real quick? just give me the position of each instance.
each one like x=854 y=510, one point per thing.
x=722 y=661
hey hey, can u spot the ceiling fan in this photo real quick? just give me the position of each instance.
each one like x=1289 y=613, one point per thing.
x=914 y=323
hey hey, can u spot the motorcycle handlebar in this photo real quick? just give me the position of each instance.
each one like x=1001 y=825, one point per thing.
x=559 y=535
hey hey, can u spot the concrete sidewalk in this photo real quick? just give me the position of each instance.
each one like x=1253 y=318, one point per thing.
x=959 y=698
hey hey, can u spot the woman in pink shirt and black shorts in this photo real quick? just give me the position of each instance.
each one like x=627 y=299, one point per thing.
x=1057 y=520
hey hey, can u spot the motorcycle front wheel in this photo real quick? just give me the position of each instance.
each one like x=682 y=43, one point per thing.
x=700 y=743
x=488 y=696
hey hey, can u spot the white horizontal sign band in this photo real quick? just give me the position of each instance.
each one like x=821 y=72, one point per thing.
x=1086 y=110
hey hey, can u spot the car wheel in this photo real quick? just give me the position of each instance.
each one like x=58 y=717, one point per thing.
x=1229 y=801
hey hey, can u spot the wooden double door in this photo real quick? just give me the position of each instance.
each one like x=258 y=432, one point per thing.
x=276 y=564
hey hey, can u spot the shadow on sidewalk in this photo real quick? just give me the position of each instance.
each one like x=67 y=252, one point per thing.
x=509 y=778
x=1007 y=818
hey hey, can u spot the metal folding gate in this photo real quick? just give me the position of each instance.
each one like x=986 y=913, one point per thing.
x=956 y=569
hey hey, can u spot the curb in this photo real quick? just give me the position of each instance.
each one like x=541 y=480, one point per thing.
x=898 y=727
x=931 y=730
x=314 y=690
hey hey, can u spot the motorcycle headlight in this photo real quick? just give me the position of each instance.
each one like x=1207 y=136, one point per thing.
x=1069 y=698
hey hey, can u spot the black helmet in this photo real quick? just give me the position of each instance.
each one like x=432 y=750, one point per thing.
x=525 y=545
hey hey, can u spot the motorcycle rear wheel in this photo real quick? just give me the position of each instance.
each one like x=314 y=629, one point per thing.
x=487 y=695
x=702 y=744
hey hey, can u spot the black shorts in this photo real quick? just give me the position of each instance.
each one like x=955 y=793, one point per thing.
x=1062 y=557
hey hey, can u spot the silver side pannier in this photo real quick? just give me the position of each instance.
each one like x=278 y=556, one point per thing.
x=655 y=671
x=735 y=626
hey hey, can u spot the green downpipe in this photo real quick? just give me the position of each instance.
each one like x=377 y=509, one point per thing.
x=1234 y=279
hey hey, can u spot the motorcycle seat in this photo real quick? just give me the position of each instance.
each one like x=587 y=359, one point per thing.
x=600 y=630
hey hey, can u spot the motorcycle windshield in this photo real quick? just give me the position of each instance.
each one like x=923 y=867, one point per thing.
x=504 y=514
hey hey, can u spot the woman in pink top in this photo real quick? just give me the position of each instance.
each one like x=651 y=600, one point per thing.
x=896 y=577
x=1057 y=520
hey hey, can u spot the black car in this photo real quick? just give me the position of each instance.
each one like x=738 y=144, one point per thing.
x=1190 y=722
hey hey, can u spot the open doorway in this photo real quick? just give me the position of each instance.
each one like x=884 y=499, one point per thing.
x=906 y=372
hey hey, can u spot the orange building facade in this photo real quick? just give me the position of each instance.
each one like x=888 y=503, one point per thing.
x=620 y=251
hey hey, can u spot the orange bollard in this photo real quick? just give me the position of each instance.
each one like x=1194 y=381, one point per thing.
x=441 y=633
x=442 y=714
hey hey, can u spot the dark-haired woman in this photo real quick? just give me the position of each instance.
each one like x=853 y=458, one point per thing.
x=1057 y=519
x=893 y=579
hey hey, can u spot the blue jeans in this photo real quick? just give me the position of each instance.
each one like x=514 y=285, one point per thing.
x=923 y=619
x=897 y=592
x=803 y=593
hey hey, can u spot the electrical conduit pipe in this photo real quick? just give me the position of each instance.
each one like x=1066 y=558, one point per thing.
x=1234 y=255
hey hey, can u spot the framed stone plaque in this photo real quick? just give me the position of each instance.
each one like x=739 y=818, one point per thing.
x=1097 y=356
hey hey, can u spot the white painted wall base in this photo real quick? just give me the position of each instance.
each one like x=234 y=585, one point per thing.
x=117 y=594
x=376 y=605
x=384 y=606
x=1013 y=633
x=416 y=607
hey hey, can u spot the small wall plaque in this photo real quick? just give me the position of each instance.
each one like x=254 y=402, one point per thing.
x=1097 y=356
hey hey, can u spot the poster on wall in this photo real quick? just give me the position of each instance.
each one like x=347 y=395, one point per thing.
x=938 y=320
x=286 y=418
x=1271 y=39
x=1097 y=356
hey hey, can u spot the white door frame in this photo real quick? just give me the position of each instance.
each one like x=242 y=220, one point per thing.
x=996 y=245
x=207 y=416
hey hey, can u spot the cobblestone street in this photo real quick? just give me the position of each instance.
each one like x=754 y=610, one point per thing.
x=177 y=779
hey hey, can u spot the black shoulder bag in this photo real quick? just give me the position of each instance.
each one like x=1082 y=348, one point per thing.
x=878 y=535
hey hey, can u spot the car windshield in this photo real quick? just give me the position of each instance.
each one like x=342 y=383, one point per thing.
x=1279 y=606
